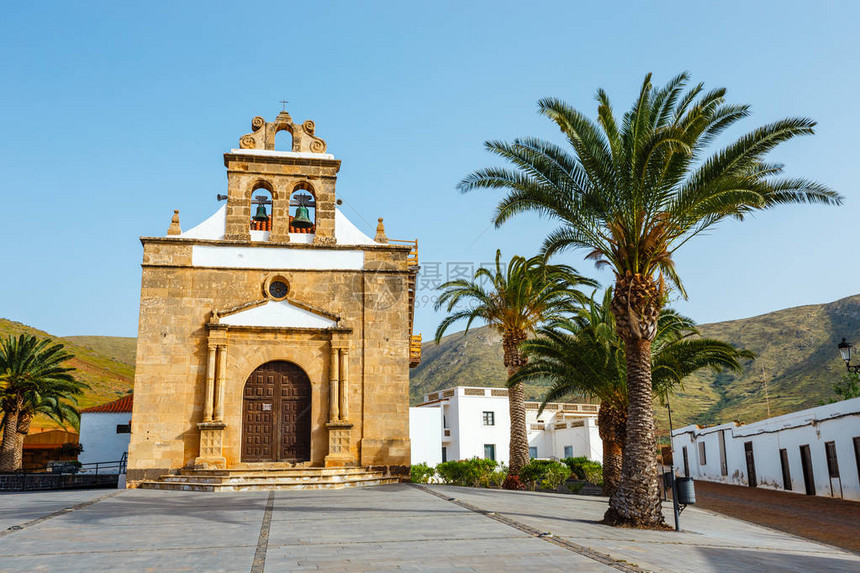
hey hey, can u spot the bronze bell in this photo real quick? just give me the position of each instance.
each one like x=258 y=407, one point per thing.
x=302 y=219
x=261 y=214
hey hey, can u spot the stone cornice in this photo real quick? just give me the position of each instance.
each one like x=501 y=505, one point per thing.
x=409 y=271
x=284 y=329
x=279 y=160
x=270 y=245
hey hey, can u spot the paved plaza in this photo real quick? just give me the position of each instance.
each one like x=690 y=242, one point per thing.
x=396 y=527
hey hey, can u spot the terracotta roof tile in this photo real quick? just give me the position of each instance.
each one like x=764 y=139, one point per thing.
x=116 y=407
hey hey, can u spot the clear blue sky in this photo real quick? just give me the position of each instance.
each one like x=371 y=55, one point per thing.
x=114 y=114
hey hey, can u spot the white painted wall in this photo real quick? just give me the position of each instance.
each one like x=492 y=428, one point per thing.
x=463 y=408
x=99 y=438
x=838 y=423
x=280 y=314
x=584 y=439
x=425 y=431
x=214 y=228
x=469 y=431
x=227 y=257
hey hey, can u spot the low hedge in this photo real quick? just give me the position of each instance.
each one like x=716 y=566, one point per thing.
x=546 y=474
x=421 y=473
x=478 y=472
x=585 y=469
x=474 y=472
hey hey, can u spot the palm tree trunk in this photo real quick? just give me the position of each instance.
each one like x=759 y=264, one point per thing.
x=611 y=423
x=519 y=442
x=636 y=502
x=636 y=305
x=10 y=443
x=24 y=419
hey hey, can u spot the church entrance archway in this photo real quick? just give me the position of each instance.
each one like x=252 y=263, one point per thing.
x=276 y=414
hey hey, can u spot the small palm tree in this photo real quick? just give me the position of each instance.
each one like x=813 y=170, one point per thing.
x=518 y=299
x=584 y=355
x=631 y=194
x=32 y=380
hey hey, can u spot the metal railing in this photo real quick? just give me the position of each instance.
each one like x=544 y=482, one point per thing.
x=415 y=348
x=412 y=259
x=65 y=475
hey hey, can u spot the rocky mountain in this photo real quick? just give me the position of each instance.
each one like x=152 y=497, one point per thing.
x=797 y=365
x=105 y=363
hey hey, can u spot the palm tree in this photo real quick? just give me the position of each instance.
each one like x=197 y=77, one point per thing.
x=583 y=355
x=631 y=194
x=519 y=298
x=32 y=380
x=50 y=405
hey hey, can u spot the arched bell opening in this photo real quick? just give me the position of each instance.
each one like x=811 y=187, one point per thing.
x=276 y=414
x=284 y=139
x=261 y=208
x=303 y=209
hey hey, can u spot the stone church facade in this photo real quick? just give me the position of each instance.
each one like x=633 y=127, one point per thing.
x=275 y=334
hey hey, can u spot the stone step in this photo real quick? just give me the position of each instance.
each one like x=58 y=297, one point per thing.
x=265 y=472
x=262 y=478
x=258 y=466
x=266 y=485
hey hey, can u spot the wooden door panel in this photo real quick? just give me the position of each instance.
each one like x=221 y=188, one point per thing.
x=277 y=414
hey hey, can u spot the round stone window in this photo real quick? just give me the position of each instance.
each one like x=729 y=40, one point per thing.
x=278 y=289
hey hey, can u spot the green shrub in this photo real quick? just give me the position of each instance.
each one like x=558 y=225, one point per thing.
x=555 y=475
x=544 y=473
x=474 y=472
x=495 y=479
x=585 y=469
x=421 y=473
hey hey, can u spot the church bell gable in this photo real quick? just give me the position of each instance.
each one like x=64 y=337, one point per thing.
x=275 y=193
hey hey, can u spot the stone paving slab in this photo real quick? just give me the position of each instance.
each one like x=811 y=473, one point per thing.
x=510 y=553
x=17 y=508
x=708 y=542
x=382 y=529
x=386 y=528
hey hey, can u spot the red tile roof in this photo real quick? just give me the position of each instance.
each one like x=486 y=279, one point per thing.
x=116 y=407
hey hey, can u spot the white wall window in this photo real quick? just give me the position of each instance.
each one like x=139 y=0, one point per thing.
x=489 y=418
x=490 y=452
x=568 y=451
x=532 y=452
x=702 y=457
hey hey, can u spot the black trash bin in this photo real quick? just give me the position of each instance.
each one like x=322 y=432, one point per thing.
x=686 y=491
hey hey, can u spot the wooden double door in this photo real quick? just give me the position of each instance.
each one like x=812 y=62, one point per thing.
x=276 y=414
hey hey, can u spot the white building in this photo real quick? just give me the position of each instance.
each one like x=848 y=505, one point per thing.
x=814 y=451
x=105 y=431
x=472 y=422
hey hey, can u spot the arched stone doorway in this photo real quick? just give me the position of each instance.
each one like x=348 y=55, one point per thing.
x=276 y=414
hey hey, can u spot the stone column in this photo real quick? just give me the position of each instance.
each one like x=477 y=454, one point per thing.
x=344 y=384
x=209 y=397
x=221 y=383
x=334 y=395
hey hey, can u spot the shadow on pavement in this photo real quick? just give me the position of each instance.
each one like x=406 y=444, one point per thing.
x=729 y=560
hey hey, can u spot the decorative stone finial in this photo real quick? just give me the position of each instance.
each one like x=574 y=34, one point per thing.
x=174 y=228
x=380 y=233
x=263 y=134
